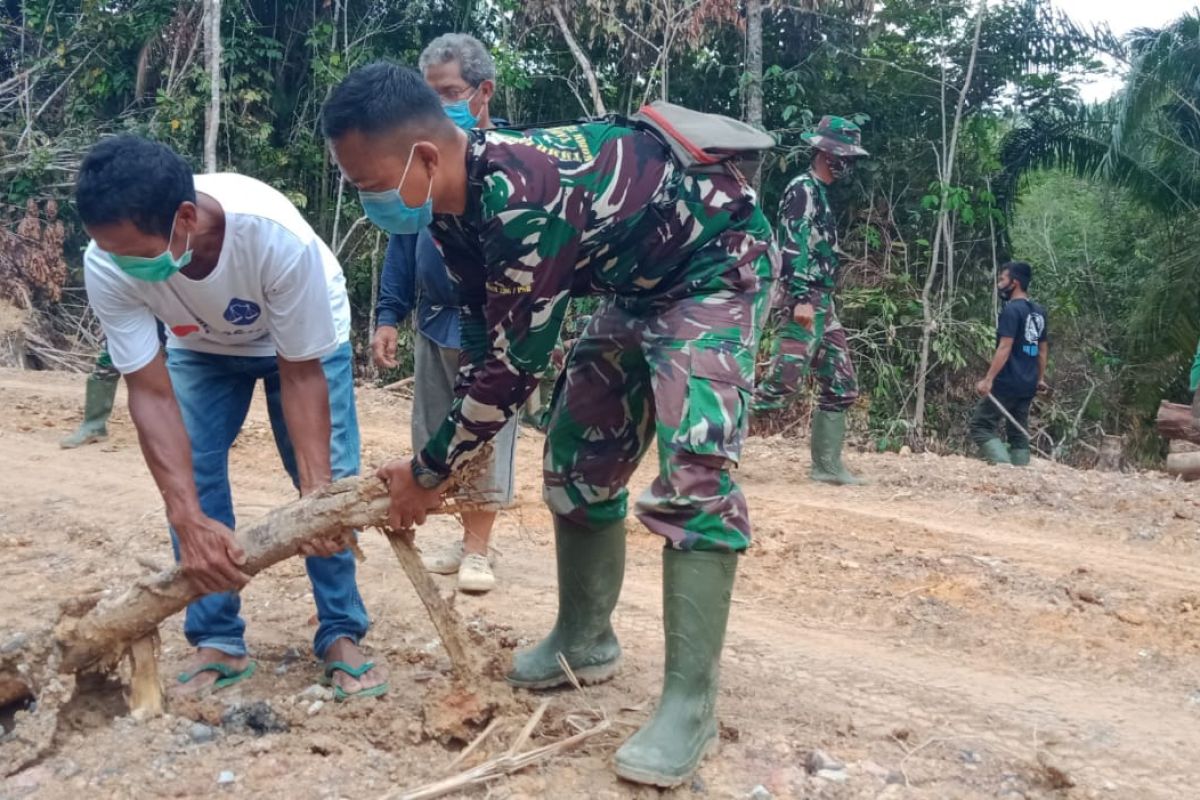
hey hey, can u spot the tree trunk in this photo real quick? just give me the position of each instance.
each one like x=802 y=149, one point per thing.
x=212 y=51
x=754 y=70
x=581 y=58
x=947 y=173
x=995 y=260
x=1175 y=421
x=665 y=87
x=754 y=62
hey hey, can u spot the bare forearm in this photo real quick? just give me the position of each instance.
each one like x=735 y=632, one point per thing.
x=1043 y=357
x=165 y=446
x=305 y=396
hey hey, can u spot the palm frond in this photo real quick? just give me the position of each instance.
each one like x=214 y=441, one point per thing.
x=1082 y=145
x=1158 y=111
x=1166 y=318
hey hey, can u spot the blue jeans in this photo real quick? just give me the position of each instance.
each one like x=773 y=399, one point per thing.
x=214 y=393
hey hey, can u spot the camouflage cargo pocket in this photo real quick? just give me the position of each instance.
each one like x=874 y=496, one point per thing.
x=714 y=419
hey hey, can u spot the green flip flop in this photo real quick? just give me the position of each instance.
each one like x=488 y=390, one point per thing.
x=340 y=694
x=229 y=675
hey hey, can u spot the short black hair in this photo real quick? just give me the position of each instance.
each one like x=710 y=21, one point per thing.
x=1020 y=272
x=378 y=98
x=134 y=179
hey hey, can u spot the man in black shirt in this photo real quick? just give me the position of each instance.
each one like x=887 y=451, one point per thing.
x=1017 y=371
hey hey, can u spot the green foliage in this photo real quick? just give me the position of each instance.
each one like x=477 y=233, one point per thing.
x=138 y=65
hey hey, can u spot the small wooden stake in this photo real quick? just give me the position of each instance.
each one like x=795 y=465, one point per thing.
x=444 y=619
x=1111 y=452
x=145 y=689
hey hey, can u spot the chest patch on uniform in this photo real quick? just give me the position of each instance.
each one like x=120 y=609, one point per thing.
x=564 y=144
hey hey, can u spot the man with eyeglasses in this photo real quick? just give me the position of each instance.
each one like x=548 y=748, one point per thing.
x=415 y=280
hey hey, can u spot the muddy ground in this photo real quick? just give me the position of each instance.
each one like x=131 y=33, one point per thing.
x=950 y=631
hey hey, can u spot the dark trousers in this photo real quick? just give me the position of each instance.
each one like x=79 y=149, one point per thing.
x=987 y=417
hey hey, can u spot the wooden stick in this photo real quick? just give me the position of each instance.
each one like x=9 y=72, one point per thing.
x=444 y=619
x=1018 y=425
x=396 y=386
x=145 y=689
x=497 y=767
x=473 y=746
x=527 y=731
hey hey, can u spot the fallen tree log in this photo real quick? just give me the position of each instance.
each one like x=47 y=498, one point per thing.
x=99 y=634
x=1184 y=465
x=1175 y=421
x=118 y=621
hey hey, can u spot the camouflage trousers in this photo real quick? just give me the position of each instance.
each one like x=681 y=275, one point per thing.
x=678 y=371
x=796 y=351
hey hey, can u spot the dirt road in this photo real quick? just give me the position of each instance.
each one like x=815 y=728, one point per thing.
x=950 y=631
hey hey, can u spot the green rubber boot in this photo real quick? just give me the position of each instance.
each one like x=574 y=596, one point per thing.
x=98 y=404
x=993 y=451
x=1019 y=456
x=591 y=566
x=697 y=587
x=828 y=431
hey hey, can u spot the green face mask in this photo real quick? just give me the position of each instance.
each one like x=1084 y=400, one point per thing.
x=158 y=268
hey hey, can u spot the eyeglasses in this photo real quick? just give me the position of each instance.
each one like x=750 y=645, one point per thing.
x=452 y=95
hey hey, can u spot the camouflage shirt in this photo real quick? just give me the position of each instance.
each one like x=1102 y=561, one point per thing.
x=594 y=208
x=807 y=239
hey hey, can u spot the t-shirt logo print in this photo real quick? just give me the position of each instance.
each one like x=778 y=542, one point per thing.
x=1035 y=323
x=242 y=312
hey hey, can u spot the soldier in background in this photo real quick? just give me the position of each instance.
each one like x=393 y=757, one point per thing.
x=99 y=397
x=811 y=337
x=98 y=401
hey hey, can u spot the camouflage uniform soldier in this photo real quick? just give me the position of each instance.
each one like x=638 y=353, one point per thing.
x=811 y=338
x=681 y=263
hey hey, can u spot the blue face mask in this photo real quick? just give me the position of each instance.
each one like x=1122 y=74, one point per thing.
x=460 y=112
x=389 y=211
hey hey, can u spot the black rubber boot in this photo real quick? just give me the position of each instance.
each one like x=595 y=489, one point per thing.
x=697 y=587
x=591 y=567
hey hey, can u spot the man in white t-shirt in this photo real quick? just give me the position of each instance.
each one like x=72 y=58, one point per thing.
x=247 y=292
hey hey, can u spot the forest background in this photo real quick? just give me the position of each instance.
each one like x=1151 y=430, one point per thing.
x=982 y=151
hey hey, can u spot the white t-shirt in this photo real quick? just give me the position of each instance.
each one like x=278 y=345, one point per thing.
x=276 y=288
